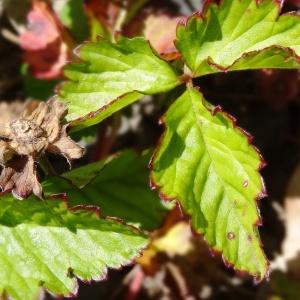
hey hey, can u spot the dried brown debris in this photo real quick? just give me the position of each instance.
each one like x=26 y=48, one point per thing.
x=27 y=131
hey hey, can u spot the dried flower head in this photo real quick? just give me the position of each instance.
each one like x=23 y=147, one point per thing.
x=27 y=131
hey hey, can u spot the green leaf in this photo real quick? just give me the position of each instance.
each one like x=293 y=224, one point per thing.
x=120 y=187
x=111 y=76
x=60 y=187
x=101 y=114
x=283 y=286
x=73 y=17
x=36 y=88
x=133 y=9
x=87 y=136
x=44 y=244
x=239 y=35
x=83 y=175
x=97 y=29
x=207 y=164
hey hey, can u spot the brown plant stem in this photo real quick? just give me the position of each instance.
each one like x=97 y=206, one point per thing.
x=107 y=136
x=47 y=166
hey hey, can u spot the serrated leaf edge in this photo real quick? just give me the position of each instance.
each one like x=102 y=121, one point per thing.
x=92 y=114
x=91 y=208
x=201 y=14
x=220 y=68
x=262 y=194
x=63 y=197
x=74 y=125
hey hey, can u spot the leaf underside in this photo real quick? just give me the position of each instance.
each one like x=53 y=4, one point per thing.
x=207 y=164
x=44 y=244
x=111 y=76
x=240 y=35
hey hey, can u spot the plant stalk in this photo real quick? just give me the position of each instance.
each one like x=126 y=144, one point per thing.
x=47 y=166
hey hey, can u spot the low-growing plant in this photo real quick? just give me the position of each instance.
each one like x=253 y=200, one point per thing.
x=101 y=215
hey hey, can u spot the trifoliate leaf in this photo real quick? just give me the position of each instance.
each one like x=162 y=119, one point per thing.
x=121 y=189
x=206 y=163
x=44 y=244
x=112 y=76
x=239 y=35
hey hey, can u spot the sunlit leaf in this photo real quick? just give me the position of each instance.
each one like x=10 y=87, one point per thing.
x=207 y=164
x=112 y=76
x=238 y=35
x=44 y=244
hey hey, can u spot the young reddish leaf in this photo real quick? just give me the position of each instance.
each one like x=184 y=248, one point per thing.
x=294 y=2
x=157 y=22
x=206 y=163
x=47 y=45
x=106 y=11
x=278 y=87
x=160 y=30
x=238 y=35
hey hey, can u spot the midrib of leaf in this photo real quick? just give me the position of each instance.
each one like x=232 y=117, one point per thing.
x=224 y=185
x=115 y=61
x=112 y=87
x=208 y=150
x=229 y=35
x=238 y=23
x=205 y=50
x=240 y=19
x=223 y=44
x=151 y=59
x=109 y=76
x=124 y=63
x=198 y=176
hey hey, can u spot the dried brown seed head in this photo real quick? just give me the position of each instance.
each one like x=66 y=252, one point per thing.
x=26 y=136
